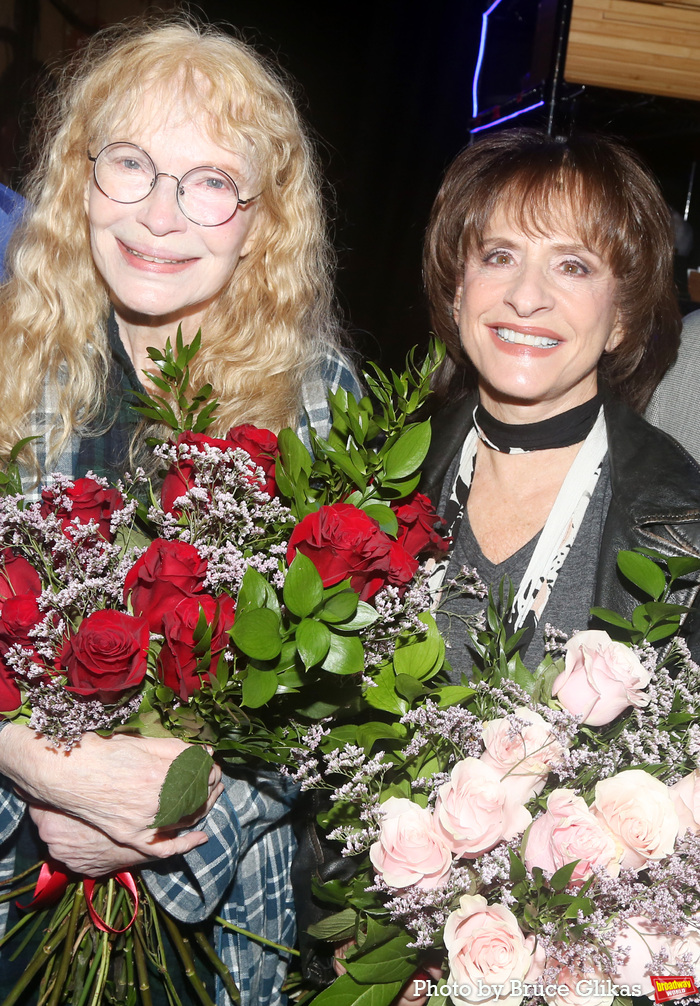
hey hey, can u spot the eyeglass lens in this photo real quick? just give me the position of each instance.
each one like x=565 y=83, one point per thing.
x=126 y=174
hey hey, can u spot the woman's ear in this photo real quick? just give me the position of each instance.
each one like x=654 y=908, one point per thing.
x=615 y=337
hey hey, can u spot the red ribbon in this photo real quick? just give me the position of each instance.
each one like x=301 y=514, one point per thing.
x=53 y=882
x=49 y=888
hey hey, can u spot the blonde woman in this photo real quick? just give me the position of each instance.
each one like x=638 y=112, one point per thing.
x=175 y=185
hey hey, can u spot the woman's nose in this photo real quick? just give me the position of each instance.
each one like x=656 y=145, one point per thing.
x=160 y=211
x=529 y=290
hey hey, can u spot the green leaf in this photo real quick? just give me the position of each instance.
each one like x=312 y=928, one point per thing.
x=642 y=572
x=258 y=687
x=611 y=617
x=517 y=868
x=346 y=992
x=340 y=607
x=367 y=734
x=336 y=926
x=406 y=455
x=293 y=455
x=185 y=788
x=390 y=961
x=682 y=565
x=452 y=695
x=257 y=633
x=364 y=616
x=409 y=687
x=420 y=656
x=384 y=695
x=562 y=878
x=255 y=592
x=313 y=641
x=384 y=516
x=303 y=587
x=345 y=655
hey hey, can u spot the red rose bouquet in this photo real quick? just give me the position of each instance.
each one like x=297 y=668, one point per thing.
x=256 y=592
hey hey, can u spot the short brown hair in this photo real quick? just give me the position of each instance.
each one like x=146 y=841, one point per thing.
x=621 y=215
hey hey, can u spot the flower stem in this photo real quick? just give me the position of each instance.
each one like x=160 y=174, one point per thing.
x=218 y=965
x=40 y=958
x=182 y=945
x=141 y=968
x=256 y=937
x=67 y=953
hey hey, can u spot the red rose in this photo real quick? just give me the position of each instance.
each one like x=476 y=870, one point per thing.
x=17 y=576
x=181 y=476
x=17 y=616
x=167 y=572
x=107 y=655
x=343 y=541
x=85 y=500
x=262 y=446
x=10 y=695
x=417 y=526
x=177 y=658
x=402 y=565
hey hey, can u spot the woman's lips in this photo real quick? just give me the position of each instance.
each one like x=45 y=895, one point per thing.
x=524 y=340
x=147 y=261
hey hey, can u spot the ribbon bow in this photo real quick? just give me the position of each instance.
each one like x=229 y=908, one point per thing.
x=52 y=883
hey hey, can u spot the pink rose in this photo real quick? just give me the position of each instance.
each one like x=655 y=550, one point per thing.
x=601 y=678
x=568 y=831
x=475 y=810
x=523 y=747
x=686 y=800
x=687 y=946
x=638 y=810
x=581 y=988
x=484 y=944
x=409 y=852
x=638 y=940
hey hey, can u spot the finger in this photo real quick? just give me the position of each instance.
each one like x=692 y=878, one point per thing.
x=163 y=847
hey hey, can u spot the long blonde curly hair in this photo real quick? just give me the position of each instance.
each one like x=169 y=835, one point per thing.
x=272 y=323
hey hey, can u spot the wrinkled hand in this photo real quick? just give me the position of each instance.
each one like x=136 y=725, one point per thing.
x=408 y=995
x=79 y=847
x=111 y=783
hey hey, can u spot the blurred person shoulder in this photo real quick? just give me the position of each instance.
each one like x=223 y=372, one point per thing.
x=675 y=405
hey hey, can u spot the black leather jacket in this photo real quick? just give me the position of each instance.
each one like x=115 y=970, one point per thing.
x=655 y=496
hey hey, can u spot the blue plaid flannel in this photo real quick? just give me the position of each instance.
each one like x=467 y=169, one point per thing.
x=242 y=873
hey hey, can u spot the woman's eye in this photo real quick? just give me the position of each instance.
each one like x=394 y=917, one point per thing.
x=499 y=258
x=573 y=268
x=129 y=164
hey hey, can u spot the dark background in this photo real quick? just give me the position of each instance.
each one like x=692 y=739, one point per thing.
x=386 y=87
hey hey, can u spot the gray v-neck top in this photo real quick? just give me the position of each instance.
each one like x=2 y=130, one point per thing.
x=572 y=595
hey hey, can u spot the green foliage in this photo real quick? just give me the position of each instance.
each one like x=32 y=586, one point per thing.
x=374 y=450
x=186 y=787
x=180 y=411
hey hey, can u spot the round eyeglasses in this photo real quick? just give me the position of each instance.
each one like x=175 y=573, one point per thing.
x=207 y=196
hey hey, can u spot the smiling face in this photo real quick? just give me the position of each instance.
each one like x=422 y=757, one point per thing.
x=158 y=265
x=535 y=314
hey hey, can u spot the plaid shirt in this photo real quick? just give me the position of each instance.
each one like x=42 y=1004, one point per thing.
x=107 y=454
x=243 y=872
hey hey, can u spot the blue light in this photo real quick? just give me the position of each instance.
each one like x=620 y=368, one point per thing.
x=504 y=118
x=480 y=57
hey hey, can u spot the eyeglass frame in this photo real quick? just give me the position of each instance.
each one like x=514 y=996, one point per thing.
x=157 y=174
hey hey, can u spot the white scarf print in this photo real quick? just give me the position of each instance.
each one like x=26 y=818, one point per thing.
x=559 y=532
